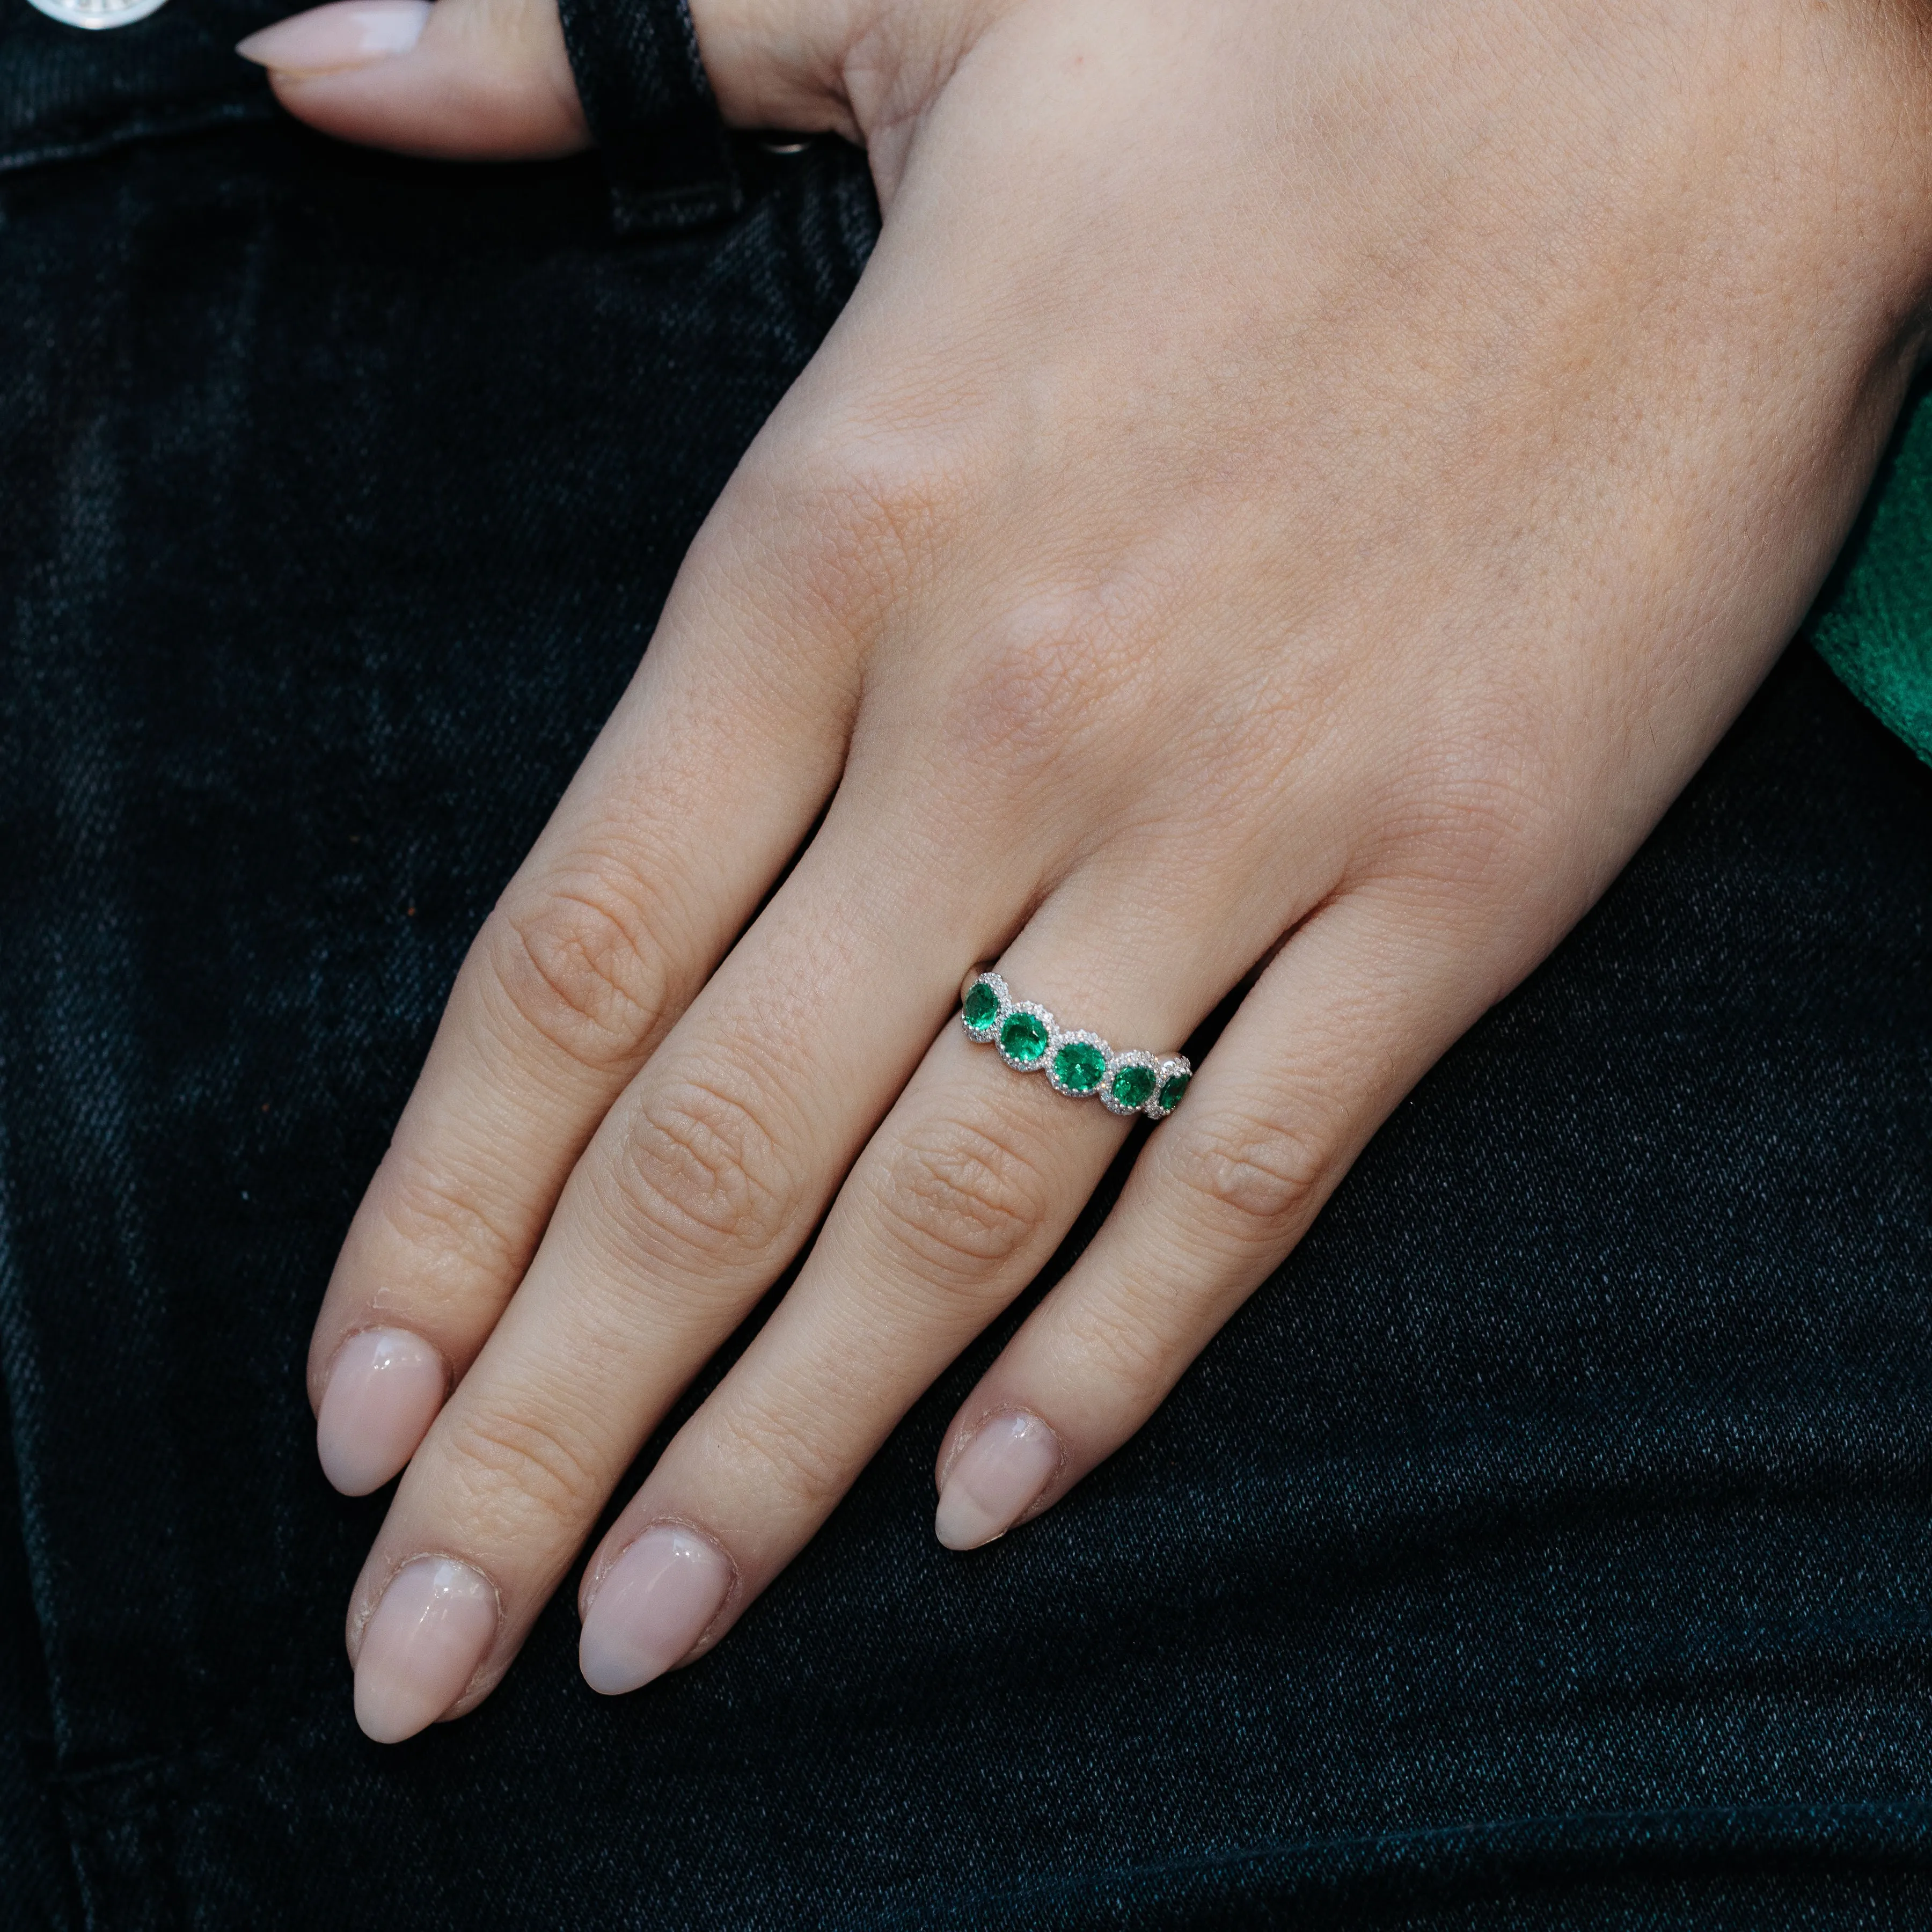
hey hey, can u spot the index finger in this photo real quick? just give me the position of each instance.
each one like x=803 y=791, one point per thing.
x=695 y=796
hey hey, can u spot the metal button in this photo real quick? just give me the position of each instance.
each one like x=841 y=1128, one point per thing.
x=94 y=14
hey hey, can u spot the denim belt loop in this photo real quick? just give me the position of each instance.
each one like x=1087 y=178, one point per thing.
x=652 y=113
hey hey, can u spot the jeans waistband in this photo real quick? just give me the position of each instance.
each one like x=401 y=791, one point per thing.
x=66 y=92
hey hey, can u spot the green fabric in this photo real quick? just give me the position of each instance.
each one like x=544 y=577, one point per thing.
x=1873 y=623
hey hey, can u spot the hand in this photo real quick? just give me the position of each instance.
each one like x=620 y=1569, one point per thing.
x=1298 y=490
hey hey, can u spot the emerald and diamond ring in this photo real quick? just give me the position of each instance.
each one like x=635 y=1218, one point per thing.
x=1077 y=1063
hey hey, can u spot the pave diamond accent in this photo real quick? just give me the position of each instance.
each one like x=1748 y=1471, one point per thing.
x=1175 y=1076
x=1076 y=1062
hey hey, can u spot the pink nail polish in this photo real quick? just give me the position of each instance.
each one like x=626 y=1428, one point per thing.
x=995 y=1480
x=655 y=1602
x=351 y=33
x=384 y=1387
x=436 y=1623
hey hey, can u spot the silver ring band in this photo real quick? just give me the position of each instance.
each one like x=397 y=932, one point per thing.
x=1077 y=1063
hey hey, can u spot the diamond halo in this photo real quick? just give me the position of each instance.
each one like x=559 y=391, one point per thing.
x=1130 y=1063
x=1077 y=1064
x=987 y=1031
x=1011 y=1035
x=1169 y=1071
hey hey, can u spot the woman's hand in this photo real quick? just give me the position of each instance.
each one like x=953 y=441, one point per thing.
x=1299 y=487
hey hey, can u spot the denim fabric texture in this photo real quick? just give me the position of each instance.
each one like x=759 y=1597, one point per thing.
x=1547 y=1546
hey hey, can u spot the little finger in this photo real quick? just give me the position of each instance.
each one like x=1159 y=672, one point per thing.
x=1354 y=1010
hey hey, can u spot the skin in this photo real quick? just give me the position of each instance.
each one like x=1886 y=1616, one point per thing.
x=1299 y=487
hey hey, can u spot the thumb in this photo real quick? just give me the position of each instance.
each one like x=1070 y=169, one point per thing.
x=466 y=79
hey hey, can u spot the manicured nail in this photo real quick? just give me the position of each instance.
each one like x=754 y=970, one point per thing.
x=654 y=1603
x=995 y=1480
x=437 y=1620
x=352 y=33
x=384 y=1390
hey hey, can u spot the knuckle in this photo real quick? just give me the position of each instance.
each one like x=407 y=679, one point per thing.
x=504 y=1466
x=960 y=1199
x=576 y=961
x=441 y=1222
x=778 y=1459
x=860 y=517
x=1037 y=685
x=1125 y=1344
x=1256 y=1180
x=699 y=1166
x=1477 y=815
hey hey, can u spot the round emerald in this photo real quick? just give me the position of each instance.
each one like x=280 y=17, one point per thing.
x=1023 y=1038
x=1080 y=1066
x=1171 y=1089
x=1132 y=1084
x=982 y=1007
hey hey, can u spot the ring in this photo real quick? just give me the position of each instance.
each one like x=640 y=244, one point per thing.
x=1077 y=1063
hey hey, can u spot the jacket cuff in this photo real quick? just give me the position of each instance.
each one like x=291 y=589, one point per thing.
x=652 y=113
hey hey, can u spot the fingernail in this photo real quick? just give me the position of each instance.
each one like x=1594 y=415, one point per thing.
x=384 y=1390
x=995 y=1480
x=352 y=33
x=655 y=1602
x=421 y=1647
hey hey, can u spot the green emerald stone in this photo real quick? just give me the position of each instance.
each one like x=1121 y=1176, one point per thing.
x=1079 y=1067
x=982 y=1007
x=1132 y=1084
x=1172 y=1088
x=1023 y=1038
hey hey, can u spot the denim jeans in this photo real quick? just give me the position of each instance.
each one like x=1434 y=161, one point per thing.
x=1547 y=1545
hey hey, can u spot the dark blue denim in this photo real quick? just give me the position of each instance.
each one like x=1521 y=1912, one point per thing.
x=1548 y=1545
